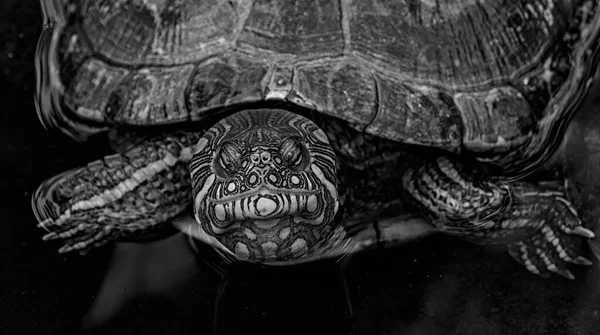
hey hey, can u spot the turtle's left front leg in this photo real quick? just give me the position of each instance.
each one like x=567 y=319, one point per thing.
x=539 y=225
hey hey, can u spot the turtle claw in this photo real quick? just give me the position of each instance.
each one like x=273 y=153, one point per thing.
x=539 y=261
x=563 y=272
x=67 y=233
x=580 y=260
x=50 y=236
x=43 y=224
x=87 y=241
x=555 y=238
x=65 y=248
x=580 y=231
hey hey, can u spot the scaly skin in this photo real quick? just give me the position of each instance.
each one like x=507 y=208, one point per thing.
x=123 y=195
x=255 y=218
x=539 y=225
x=265 y=184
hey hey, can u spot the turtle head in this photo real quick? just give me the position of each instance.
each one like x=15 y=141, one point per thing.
x=265 y=184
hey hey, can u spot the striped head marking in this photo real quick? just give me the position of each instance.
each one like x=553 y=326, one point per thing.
x=265 y=184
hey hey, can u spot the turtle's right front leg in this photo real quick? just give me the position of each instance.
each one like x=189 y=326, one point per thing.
x=539 y=225
x=122 y=195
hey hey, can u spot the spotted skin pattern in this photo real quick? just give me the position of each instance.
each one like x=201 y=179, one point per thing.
x=265 y=184
x=535 y=221
x=123 y=195
x=539 y=225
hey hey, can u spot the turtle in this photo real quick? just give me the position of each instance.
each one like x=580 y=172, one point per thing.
x=282 y=132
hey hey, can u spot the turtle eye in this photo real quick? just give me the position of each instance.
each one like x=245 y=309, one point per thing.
x=228 y=158
x=293 y=153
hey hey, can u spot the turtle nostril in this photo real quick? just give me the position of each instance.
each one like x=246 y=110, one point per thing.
x=265 y=157
x=255 y=158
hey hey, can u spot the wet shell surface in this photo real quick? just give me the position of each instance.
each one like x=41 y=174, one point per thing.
x=478 y=76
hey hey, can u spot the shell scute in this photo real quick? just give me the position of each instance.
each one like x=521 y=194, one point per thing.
x=454 y=43
x=88 y=93
x=139 y=32
x=417 y=116
x=337 y=87
x=150 y=96
x=301 y=27
x=72 y=52
x=499 y=119
x=224 y=81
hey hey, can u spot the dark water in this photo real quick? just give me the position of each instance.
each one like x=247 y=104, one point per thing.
x=439 y=285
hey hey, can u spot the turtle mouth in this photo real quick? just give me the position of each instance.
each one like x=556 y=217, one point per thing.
x=286 y=240
x=265 y=208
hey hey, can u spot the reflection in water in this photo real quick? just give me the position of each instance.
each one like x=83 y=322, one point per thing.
x=160 y=269
x=302 y=299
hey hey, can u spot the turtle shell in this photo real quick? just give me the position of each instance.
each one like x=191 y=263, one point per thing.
x=475 y=75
